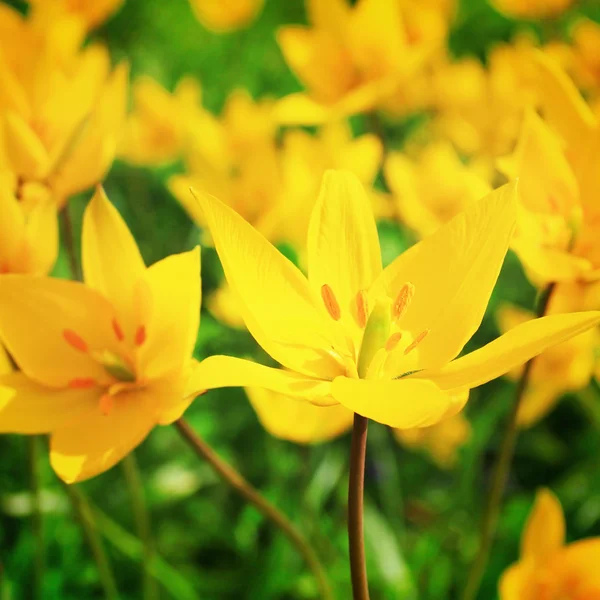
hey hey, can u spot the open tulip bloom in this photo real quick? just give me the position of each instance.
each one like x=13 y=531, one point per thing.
x=101 y=363
x=381 y=342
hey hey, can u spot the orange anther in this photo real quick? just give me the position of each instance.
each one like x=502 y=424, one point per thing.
x=403 y=300
x=140 y=335
x=331 y=304
x=75 y=340
x=80 y=383
x=118 y=331
x=362 y=309
x=416 y=341
x=106 y=404
x=393 y=341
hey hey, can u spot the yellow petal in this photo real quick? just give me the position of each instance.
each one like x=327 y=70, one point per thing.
x=226 y=16
x=301 y=109
x=12 y=229
x=228 y=371
x=24 y=150
x=539 y=399
x=515 y=580
x=38 y=315
x=453 y=272
x=111 y=260
x=93 y=442
x=42 y=236
x=174 y=285
x=544 y=533
x=279 y=308
x=30 y=408
x=400 y=403
x=513 y=348
x=6 y=365
x=343 y=247
x=291 y=418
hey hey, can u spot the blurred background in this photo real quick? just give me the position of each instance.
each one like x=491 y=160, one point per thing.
x=424 y=497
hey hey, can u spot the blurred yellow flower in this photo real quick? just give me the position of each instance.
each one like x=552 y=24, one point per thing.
x=354 y=59
x=61 y=109
x=424 y=202
x=157 y=129
x=291 y=418
x=91 y=12
x=550 y=568
x=566 y=367
x=360 y=336
x=441 y=441
x=28 y=229
x=533 y=9
x=101 y=363
x=226 y=16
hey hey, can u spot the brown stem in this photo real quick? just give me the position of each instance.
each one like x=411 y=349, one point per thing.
x=501 y=473
x=356 y=488
x=237 y=482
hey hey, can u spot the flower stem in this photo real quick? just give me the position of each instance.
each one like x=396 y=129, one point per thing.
x=237 y=482
x=135 y=488
x=37 y=520
x=356 y=488
x=501 y=473
x=85 y=517
x=69 y=241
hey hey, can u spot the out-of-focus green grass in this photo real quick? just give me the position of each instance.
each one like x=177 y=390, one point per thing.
x=421 y=523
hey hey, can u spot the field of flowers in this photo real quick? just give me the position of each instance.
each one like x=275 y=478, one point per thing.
x=299 y=299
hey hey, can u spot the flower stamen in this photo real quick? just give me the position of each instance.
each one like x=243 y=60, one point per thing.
x=118 y=331
x=362 y=309
x=331 y=304
x=393 y=340
x=403 y=300
x=416 y=341
x=74 y=340
x=106 y=404
x=140 y=335
x=81 y=383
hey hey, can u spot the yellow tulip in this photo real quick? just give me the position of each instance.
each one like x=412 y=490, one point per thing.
x=533 y=9
x=550 y=568
x=28 y=230
x=352 y=59
x=62 y=110
x=156 y=131
x=440 y=441
x=226 y=16
x=290 y=418
x=101 y=363
x=381 y=343
x=424 y=202
x=566 y=367
x=92 y=14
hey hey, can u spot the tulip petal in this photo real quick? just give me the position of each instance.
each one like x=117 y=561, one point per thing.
x=343 y=247
x=42 y=234
x=27 y=407
x=453 y=272
x=25 y=151
x=228 y=371
x=93 y=442
x=513 y=348
x=291 y=418
x=278 y=306
x=111 y=260
x=545 y=531
x=174 y=285
x=399 y=403
x=38 y=316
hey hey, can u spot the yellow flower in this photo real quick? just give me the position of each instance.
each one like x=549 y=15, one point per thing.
x=382 y=343
x=62 y=110
x=226 y=16
x=533 y=9
x=92 y=14
x=28 y=229
x=440 y=441
x=424 y=202
x=566 y=367
x=352 y=59
x=295 y=420
x=157 y=130
x=549 y=568
x=103 y=362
